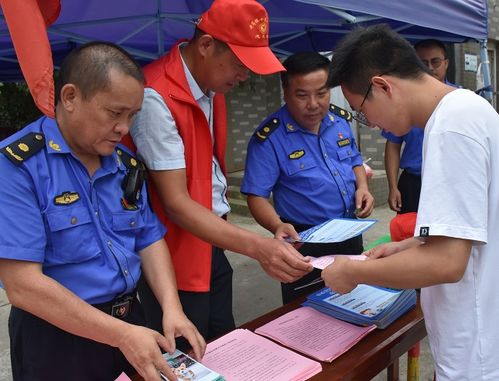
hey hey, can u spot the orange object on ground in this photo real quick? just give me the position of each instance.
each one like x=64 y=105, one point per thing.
x=402 y=226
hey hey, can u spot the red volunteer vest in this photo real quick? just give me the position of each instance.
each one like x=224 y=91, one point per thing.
x=191 y=256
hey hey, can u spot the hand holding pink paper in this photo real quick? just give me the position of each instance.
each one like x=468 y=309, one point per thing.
x=322 y=262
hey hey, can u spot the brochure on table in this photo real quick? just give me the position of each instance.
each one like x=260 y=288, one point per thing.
x=242 y=355
x=313 y=333
x=365 y=305
x=186 y=368
x=335 y=230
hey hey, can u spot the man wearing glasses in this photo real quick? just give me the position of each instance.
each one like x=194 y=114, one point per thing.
x=404 y=196
x=453 y=256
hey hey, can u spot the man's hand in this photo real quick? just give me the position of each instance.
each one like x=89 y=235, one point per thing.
x=336 y=278
x=381 y=251
x=176 y=324
x=281 y=261
x=286 y=231
x=390 y=248
x=141 y=347
x=395 y=200
x=364 y=202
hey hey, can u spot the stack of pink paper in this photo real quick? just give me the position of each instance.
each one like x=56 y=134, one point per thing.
x=242 y=355
x=313 y=333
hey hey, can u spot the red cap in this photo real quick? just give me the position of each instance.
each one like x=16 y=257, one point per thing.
x=402 y=226
x=244 y=26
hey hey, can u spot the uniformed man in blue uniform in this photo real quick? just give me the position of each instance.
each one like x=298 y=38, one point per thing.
x=403 y=194
x=76 y=228
x=305 y=155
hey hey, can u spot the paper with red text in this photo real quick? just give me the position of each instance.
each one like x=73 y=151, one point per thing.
x=242 y=355
x=313 y=333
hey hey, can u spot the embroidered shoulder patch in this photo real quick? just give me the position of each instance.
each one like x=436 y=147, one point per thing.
x=347 y=115
x=23 y=148
x=129 y=161
x=269 y=127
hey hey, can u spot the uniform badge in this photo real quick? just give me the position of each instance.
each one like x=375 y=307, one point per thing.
x=343 y=142
x=296 y=154
x=54 y=146
x=121 y=310
x=23 y=147
x=290 y=127
x=424 y=231
x=66 y=198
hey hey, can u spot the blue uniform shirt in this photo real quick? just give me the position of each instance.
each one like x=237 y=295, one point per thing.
x=411 y=157
x=310 y=176
x=53 y=213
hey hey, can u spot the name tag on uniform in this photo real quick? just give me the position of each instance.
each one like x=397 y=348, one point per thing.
x=343 y=142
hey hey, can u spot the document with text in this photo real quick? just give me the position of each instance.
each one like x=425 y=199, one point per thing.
x=242 y=355
x=313 y=333
x=335 y=230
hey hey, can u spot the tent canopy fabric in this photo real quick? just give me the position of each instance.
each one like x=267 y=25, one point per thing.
x=147 y=28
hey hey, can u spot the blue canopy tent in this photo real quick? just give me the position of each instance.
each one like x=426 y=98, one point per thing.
x=148 y=28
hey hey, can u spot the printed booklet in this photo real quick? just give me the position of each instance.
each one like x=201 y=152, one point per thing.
x=186 y=368
x=365 y=305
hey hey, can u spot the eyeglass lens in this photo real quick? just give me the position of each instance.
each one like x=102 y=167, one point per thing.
x=435 y=62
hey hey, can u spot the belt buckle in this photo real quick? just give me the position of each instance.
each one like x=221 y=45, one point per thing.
x=121 y=308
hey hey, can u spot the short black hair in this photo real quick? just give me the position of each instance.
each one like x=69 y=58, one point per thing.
x=375 y=50
x=303 y=63
x=431 y=43
x=88 y=67
x=220 y=46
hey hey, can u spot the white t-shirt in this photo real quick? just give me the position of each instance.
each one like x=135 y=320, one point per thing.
x=460 y=199
x=160 y=146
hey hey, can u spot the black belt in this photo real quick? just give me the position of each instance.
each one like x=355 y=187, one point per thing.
x=119 y=307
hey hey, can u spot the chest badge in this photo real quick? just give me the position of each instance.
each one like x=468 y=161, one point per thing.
x=66 y=198
x=296 y=154
x=343 y=142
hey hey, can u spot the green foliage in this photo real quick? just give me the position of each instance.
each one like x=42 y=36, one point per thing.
x=17 y=108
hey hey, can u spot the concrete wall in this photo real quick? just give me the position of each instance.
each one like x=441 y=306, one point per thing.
x=247 y=106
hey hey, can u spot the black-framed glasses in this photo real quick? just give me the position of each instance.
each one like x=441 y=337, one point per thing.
x=435 y=62
x=359 y=116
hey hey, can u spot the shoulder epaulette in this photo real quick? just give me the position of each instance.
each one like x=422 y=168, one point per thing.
x=23 y=148
x=263 y=132
x=347 y=115
x=129 y=161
